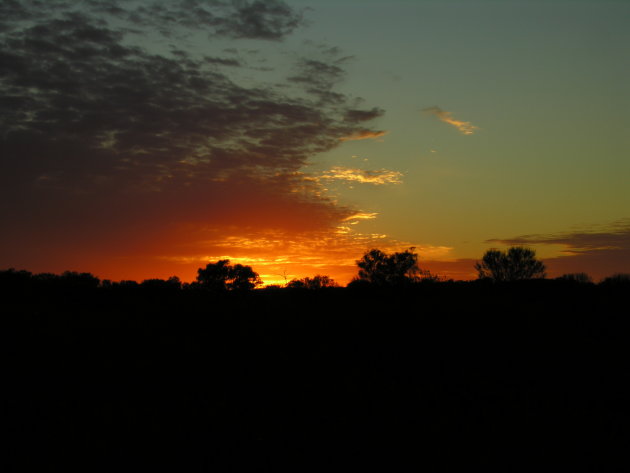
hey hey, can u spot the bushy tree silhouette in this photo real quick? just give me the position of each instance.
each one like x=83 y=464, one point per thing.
x=576 y=278
x=222 y=276
x=515 y=264
x=316 y=282
x=382 y=269
x=619 y=279
x=171 y=284
x=79 y=280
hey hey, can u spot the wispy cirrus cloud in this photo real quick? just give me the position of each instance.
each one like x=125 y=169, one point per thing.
x=361 y=216
x=377 y=177
x=465 y=128
x=364 y=135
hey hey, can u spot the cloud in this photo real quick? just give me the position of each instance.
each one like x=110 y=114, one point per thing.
x=221 y=61
x=363 y=135
x=319 y=77
x=379 y=177
x=269 y=19
x=357 y=116
x=116 y=134
x=265 y=19
x=317 y=74
x=599 y=250
x=246 y=19
x=614 y=236
x=361 y=216
x=465 y=128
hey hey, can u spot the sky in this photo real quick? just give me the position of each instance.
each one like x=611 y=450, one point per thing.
x=145 y=139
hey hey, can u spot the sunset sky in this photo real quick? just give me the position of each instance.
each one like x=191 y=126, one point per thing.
x=144 y=139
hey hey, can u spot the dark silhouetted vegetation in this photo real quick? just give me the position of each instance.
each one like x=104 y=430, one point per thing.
x=316 y=282
x=222 y=276
x=515 y=264
x=619 y=279
x=382 y=269
x=448 y=376
x=578 y=278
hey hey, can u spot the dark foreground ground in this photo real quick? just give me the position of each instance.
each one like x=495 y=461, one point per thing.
x=443 y=377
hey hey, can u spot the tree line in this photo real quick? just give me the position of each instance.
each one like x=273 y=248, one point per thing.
x=375 y=269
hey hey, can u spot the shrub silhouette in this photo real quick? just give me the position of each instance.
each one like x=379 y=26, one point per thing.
x=222 y=276
x=577 y=278
x=619 y=279
x=11 y=279
x=171 y=284
x=316 y=282
x=517 y=264
x=79 y=280
x=382 y=269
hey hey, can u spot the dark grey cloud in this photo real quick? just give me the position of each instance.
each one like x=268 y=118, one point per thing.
x=73 y=86
x=357 y=116
x=319 y=79
x=92 y=122
x=257 y=19
x=318 y=74
x=267 y=19
x=12 y=9
x=609 y=237
x=598 y=250
x=222 y=61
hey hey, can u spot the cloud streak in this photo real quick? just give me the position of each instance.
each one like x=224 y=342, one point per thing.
x=378 y=177
x=615 y=236
x=364 y=135
x=600 y=250
x=361 y=216
x=466 y=128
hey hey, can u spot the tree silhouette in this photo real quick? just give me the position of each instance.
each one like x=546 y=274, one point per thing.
x=171 y=284
x=518 y=263
x=79 y=280
x=243 y=278
x=316 y=282
x=222 y=276
x=619 y=279
x=576 y=278
x=382 y=269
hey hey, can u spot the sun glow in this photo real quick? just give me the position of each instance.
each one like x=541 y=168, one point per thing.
x=278 y=258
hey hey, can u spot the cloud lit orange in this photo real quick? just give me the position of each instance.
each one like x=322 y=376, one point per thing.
x=376 y=177
x=465 y=128
x=364 y=135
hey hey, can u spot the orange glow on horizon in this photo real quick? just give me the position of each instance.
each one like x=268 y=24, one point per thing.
x=279 y=258
x=275 y=256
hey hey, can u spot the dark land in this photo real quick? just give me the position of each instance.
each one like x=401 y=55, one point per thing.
x=441 y=376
